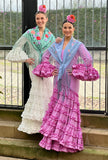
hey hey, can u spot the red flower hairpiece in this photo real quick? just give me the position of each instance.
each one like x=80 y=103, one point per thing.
x=42 y=8
x=71 y=18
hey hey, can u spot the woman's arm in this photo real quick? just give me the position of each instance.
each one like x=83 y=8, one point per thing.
x=85 y=55
x=17 y=54
x=45 y=69
x=46 y=56
x=85 y=71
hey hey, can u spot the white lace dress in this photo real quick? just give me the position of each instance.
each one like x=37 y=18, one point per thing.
x=36 y=105
x=39 y=96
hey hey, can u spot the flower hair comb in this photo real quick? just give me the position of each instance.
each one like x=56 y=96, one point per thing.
x=71 y=18
x=42 y=8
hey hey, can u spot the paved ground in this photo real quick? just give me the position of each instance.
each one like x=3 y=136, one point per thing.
x=10 y=158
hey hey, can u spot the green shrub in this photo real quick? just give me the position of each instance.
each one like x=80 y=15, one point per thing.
x=90 y=26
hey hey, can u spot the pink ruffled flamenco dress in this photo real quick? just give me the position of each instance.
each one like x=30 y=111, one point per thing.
x=61 y=124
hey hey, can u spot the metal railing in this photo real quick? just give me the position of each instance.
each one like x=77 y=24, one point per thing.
x=11 y=30
x=11 y=82
x=91 y=28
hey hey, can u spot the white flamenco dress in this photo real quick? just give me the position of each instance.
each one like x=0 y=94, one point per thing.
x=40 y=92
x=36 y=105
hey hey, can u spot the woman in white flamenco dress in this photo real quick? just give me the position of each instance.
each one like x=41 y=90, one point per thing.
x=29 y=48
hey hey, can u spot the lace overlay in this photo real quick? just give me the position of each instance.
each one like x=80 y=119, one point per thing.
x=23 y=50
x=17 y=55
x=37 y=103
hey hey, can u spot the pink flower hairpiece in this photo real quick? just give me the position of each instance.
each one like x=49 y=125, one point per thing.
x=71 y=18
x=42 y=8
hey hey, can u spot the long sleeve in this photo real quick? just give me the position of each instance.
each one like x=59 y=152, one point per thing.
x=85 y=55
x=17 y=54
x=46 y=56
x=44 y=69
x=85 y=71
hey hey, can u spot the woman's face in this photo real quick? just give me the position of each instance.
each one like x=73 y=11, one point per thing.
x=68 y=29
x=41 y=20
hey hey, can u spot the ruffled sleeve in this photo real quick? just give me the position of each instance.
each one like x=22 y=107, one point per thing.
x=17 y=54
x=81 y=72
x=85 y=71
x=44 y=69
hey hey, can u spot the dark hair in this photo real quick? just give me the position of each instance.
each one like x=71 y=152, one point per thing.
x=67 y=21
x=40 y=12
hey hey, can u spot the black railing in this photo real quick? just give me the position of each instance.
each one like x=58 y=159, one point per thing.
x=16 y=92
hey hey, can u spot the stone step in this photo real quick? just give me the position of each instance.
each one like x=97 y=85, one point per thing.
x=10 y=115
x=91 y=136
x=95 y=137
x=94 y=121
x=88 y=120
x=8 y=129
x=10 y=158
x=30 y=149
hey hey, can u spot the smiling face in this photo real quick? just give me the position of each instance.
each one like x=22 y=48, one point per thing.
x=41 y=20
x=68 y=29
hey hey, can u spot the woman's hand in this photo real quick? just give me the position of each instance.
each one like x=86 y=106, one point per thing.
x=30 y=61
x=55 y=72
x=58 y=40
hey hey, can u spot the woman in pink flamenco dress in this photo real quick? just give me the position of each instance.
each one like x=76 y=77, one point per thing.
x=61 y=124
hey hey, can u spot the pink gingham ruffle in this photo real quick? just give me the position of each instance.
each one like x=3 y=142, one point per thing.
x=81 y=72
x=44 y=69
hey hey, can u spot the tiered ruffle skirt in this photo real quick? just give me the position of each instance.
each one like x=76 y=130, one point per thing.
x=61 y=125
x=36 y=105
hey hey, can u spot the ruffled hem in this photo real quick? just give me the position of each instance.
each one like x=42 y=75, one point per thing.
x=61 y=124
x=29 y=126
x=36 y=105
x=37 y=117
x=83 y=73
x=49 y=144
x=17 y=55
x=44 y=69
x=38 y=100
